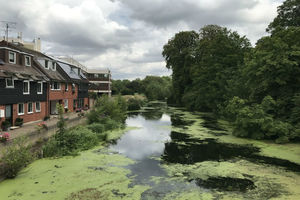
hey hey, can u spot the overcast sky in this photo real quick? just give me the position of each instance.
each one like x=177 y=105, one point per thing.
x=127 y=36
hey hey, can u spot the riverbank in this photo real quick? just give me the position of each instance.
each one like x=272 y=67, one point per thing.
x=35 y=134
x=172 y=154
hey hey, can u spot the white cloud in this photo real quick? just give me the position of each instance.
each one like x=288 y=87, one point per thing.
x=128 y=35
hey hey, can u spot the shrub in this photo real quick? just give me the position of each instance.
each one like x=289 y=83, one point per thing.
x=72 y=141
x=46 y=118
x=108 y=108
x=5 y=125
x=96 y=128
x=111 y=124
x=134 y=104
x=19 y=122
x=15 y=157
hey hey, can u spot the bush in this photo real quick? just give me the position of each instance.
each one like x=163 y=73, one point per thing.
x=134 y=104
x=19 y=122
x=15 y=157
x=74 y=140
x=99 y=129
x=108 y=108
x=111 y=124
x=5 y=125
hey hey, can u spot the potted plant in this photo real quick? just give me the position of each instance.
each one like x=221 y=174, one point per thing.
x=19 y=122
x=5 y=125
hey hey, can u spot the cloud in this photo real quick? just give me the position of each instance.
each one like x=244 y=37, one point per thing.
x=128 y=35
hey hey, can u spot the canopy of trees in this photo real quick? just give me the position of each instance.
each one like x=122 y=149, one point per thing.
x=154 y=87
x=257 y=89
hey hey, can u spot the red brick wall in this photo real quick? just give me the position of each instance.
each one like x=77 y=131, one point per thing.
x=35 y=116
x=62 y=94
x=86 y=101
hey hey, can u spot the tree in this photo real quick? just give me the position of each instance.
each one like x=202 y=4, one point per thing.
x=288 y=16
x=178 y=53
x=218 y=56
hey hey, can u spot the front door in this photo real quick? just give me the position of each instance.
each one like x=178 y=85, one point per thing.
x=8 y=113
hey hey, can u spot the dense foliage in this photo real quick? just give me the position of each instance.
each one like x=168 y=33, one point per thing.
x=154 y=87
x=107 y=114
x=257 y=89
x=15 y=157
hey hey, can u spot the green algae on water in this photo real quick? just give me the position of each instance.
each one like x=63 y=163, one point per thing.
x=61 y=178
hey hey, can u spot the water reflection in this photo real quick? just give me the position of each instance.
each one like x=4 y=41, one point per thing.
x=146 y=141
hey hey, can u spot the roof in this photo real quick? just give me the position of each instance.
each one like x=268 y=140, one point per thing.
x=37 y=59
x=53 y=75
x=21 y=72
x=98 y=71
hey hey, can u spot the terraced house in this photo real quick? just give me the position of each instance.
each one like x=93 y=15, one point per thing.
x=23 y=87
x=32 y=83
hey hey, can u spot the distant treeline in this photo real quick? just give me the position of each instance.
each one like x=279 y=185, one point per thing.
x=154 y=87
x=255 y=88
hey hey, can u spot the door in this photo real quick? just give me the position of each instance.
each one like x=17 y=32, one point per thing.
x=8 y=113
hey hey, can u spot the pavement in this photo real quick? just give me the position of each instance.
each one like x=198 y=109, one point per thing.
x=32 y=127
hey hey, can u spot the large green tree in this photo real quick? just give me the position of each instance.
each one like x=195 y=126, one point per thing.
x=178 y=53
x=288 y=16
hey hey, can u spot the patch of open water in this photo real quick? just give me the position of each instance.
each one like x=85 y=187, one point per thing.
x=154 y=142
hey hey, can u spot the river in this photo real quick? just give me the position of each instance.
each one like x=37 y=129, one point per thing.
x=166 y=153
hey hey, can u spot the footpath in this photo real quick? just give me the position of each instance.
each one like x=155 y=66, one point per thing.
x=34 y=133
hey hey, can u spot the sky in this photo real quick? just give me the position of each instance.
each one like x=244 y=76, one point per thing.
x=127 y=36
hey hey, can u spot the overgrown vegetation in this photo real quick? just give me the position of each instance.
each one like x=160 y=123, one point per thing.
x=107 y=114
x=154 y=87
x=257 y=89
x=15 y=157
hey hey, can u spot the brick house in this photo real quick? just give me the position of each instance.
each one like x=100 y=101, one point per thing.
x=23 y=87
x=80 y=84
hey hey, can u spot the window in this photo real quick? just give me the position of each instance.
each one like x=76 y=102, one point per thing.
x=37 y=106
x=9 y=83
x=40 y=87
x=53 y=67
x=46 y=64
x=55 y=86
x=21 y=109
x=66 y=103
x=26 y=87
x=73 y=87
x=27 y=61
x=66 y=87
x=12 y=57
x=29 y=108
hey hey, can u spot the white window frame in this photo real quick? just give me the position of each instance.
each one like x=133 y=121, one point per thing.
x=20 y=113
x=15 y=57
x=66 y=86
x=52 y=86
x=28 y=65
x=53 y=67
x=37 y=110
x=29 y=112
x=66 y=103
x=28 y=87
x=41 y=92
x=46 y=64
x=10 y=86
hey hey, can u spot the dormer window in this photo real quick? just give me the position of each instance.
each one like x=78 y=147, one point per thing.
x=12 y=57
x=46 y=64
x=27 y=61
x=53 y=66
x=9 y=83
